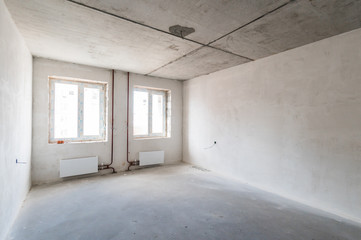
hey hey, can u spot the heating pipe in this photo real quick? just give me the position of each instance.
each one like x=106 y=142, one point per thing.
x=134 y=163
x=107 y=166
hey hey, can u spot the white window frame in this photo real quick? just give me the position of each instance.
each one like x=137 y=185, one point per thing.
x=81 y=83
x=166 y=111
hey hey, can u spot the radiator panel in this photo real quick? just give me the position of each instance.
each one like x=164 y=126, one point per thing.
x=78 y=166
x=151 y=158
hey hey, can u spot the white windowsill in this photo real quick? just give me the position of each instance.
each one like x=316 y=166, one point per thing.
x=149 y=138
x=76 y=142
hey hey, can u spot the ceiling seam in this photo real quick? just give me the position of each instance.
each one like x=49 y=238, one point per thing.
x=254 y=20
x=249 y=59
x=168 y=33
x=130 y=20
x=194 y=50
x=208 y=44
x=154 y=28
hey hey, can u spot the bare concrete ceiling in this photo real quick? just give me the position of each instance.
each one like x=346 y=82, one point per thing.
x=134 y=35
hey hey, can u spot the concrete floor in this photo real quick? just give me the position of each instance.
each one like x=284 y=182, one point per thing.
x=170 y=202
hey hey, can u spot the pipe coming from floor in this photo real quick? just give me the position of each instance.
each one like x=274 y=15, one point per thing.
x=107 y=166
x=134 y=163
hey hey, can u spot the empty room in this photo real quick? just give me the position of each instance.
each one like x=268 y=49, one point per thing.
x=180 y=119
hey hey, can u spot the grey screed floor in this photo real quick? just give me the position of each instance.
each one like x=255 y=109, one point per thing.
x=169 y=202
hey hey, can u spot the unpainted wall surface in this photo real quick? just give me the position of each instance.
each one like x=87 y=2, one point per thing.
x=46 y=156
x=289 y=123
x=15 y=120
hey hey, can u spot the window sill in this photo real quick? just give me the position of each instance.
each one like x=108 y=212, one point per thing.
x=149 y=138
x=77 y=142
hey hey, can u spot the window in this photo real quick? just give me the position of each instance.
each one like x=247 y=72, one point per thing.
x=151 y=112
x=77 y=110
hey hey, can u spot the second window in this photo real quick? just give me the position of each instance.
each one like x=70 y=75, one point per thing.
x=150 y=112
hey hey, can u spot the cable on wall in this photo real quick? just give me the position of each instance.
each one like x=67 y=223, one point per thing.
x=214 y=143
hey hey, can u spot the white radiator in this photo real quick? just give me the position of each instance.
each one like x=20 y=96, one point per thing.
x=78 y=166
x=150 y=158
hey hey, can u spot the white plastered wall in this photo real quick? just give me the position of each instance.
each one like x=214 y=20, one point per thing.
x=46 y=156
x=15 y=120
x=289 y=123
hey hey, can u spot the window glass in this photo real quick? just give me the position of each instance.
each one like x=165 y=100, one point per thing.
x=157 y=113
x=66 y=111
x=91 y=111
x=140 y=113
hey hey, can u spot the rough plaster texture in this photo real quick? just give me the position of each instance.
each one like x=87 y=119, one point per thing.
x=298 y=23
x=15 y=120
x=46 y=156
x=62 y=30
x=289 y=123
x=171 y=202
